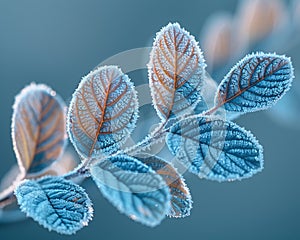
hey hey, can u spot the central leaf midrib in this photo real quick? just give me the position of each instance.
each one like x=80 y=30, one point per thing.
x=101 y=120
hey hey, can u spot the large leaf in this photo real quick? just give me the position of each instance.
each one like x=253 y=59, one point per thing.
x=181 y=201
x=103 y=112
x=134 y=188
x=38 y=128
x=176 y=72
x=55 y=203
x=257 y=82
x=215 y=149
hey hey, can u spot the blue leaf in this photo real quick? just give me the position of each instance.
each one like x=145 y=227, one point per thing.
x=215 y=149
x=176 y=71
x=38 y=128
x=257 y=82
x=57 y=204
x=181 y=200
x=133 y=188
x=103 y=112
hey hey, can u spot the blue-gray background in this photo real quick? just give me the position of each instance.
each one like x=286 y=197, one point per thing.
x=59 y=41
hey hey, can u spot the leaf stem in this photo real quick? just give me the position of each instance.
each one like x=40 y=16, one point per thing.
x=9 y=199
x=82 y=171
x=148 y=141
x=211 y=111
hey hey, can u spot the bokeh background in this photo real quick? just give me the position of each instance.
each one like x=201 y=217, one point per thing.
x=57 y=42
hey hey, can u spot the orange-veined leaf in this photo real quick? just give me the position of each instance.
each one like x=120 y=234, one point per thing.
x=176 y=72
x=38 y=128
x=103 y=112
x=181 y=201
x=257 y=82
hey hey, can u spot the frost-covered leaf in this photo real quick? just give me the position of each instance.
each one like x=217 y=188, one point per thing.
x=181 y=200
x=133 y=188
x=103 y=112
x=257 y=82
x=215 y=149
x=57 y=204
x=176 y=71
x=38 y=128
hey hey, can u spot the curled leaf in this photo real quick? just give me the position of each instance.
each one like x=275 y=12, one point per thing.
x=38 y=128
x=215 y=149
x=133 y=188
x=181 y=200
x=103 y=112
x=257 y=82
x=57 y=204
x=176 y=71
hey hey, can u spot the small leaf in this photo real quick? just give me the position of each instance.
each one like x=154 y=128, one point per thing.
x=57 y=204
x=103 y=112
x=133 y=188
x=38 y=128
x=176 y=72
x=215 y=149
x=257 y=82
x=181 y=201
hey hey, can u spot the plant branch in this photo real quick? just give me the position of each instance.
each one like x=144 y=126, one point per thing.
x=83 y=170
x=212 y=110
x=9 y=199
x=148 y=141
